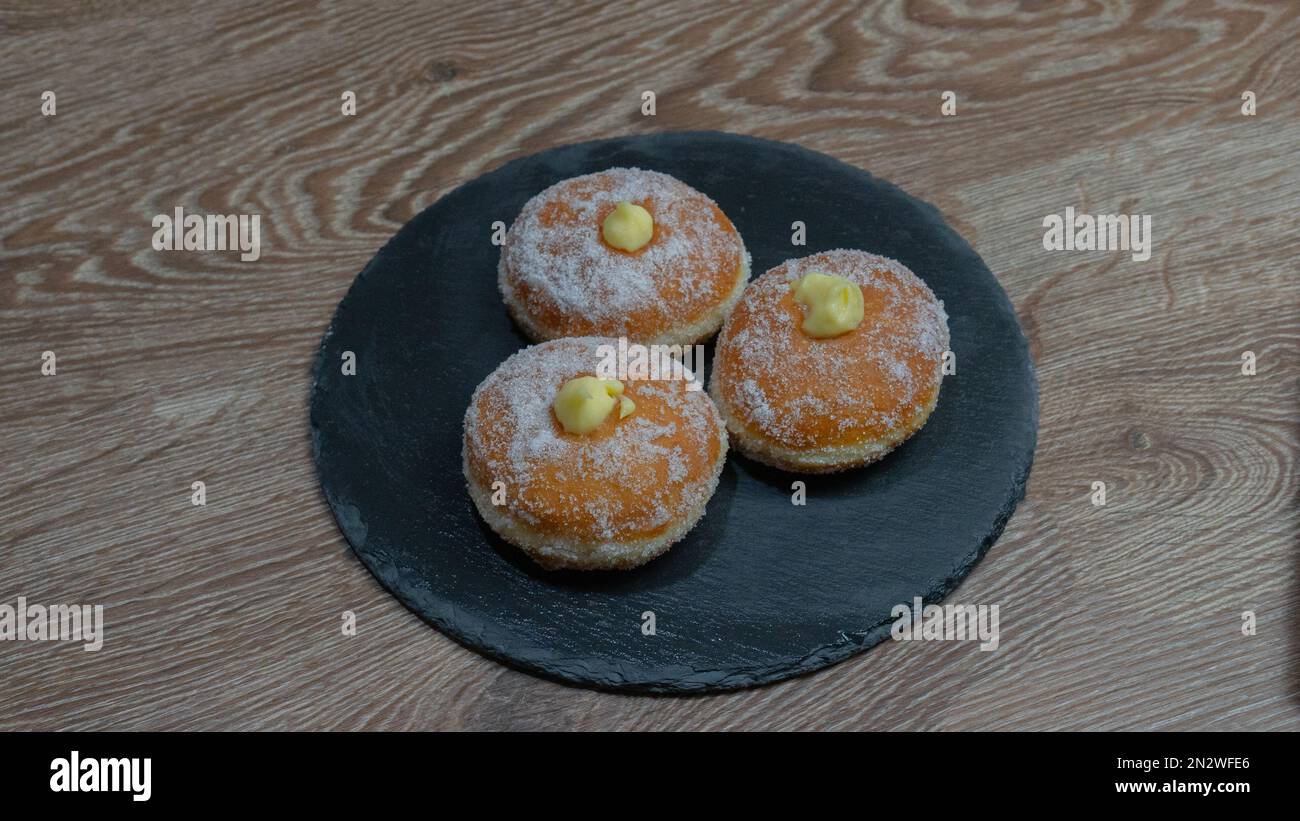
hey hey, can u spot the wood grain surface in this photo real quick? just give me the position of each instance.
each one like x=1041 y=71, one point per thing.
x=182 y=366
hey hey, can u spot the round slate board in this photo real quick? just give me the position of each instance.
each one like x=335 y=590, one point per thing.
x=761 y=589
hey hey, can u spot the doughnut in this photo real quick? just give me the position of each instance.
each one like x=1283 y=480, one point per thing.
x=560 y=276
x=614 y=497
x=819 y=405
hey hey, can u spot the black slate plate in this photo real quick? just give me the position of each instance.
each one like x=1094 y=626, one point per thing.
x=761 y=590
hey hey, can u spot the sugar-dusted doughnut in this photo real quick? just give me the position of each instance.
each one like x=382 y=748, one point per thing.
x=820 y=404
x=674 y=268
x=613 y=496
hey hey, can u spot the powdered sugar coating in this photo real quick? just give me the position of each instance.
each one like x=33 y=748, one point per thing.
x=558 y=271
x=862 y=386
x=630 y=478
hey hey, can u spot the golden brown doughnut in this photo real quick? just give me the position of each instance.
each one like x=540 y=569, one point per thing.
x=560 y=278
x=822 y=405
x=610 y=499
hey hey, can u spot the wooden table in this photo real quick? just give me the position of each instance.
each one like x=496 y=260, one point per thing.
x=176 y=367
